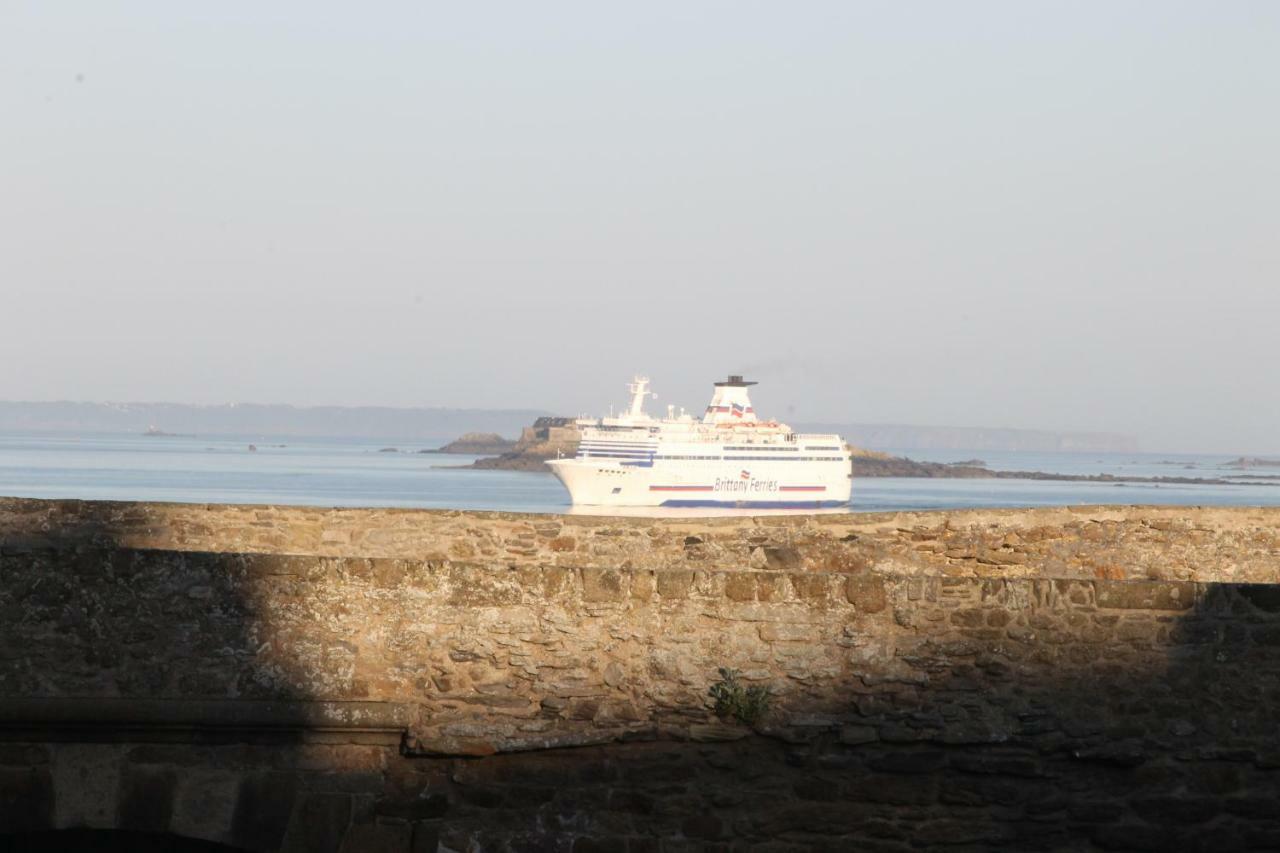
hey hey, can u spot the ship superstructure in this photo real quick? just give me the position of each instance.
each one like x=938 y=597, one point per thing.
x=727 y=458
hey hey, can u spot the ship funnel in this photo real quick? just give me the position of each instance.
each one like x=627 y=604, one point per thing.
x=731 y=403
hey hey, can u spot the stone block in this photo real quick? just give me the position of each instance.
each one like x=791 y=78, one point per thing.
x=264 y=807
x=319 y=823
x=1135 y=836
x=204 y=803
x=1263 y=597
x=87 y=784
x=1269 y=636
x=479 y=586
x=856 y=735
x=866 y=593
x=997 y=764
x=1180 y=809
x=643 y=585
x=590 y=844
x=584 y=709
x=23 y=755
x=740 y=587
x=909 y=761
x=426 y=836
x=811 y=587
x=630 y=800
x=556 y=582
x=378 y=838
x=955 y=832
x=1145 y=595
x=675 y=584
x=969 y=618
x=614 y=674
x=717 y=732
x=782 y=558
x=602 y=585
x=146 y=798
x=26 y=799
x=782 y=632
x=707 y=827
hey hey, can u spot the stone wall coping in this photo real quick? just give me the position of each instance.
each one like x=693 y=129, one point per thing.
x=1001 y=515
x=1176 y=543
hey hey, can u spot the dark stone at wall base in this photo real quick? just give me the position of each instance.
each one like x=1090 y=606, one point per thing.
x=426 y=837
x=320 y=823
x=704 y=826
x=146 y=798
x=263 y=808
x=1176 y=809
x=903 y=761
x=893 y=790
x=26 y=799
x=632 y=801
x=1132 y=836
x=416 y=808
x=586 y=844
x=378 y=838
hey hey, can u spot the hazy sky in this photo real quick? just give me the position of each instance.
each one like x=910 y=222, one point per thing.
x=1027 y=214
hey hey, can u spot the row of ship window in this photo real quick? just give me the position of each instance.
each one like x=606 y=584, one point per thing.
x=630 y=446
x=597 y=455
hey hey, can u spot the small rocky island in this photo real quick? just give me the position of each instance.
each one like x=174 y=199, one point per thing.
x=1246 y=462
x=547 y=438
x=477 y=444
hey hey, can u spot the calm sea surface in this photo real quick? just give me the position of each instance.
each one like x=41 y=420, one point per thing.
x=331 y=472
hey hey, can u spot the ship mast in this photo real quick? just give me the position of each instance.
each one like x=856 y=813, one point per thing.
x=639 y=388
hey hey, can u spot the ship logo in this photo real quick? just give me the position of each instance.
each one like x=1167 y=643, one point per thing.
x=738 y=410
x=746 y=475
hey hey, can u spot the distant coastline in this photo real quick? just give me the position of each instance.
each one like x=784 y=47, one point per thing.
x=160 y=419
x=550 y=438
x=975 y=438
x=440 y=423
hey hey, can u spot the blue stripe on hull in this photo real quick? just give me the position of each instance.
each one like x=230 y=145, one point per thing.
x=756 y=504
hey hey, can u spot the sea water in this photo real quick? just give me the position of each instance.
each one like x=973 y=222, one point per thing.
x=378 y=472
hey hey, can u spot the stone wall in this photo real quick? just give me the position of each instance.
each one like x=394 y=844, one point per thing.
x=536 y=682
x=1170 y=543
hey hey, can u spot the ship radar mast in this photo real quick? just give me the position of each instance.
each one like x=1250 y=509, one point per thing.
x=639 y=388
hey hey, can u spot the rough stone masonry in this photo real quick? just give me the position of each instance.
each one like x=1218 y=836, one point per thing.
x=285 y=678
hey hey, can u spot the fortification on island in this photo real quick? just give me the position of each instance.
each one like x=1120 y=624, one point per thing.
x=275 y=678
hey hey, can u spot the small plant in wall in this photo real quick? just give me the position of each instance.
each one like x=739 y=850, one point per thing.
x=747 y=705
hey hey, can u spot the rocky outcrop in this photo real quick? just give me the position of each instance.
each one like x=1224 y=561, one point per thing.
x=477 y=444
x=1246 y=462
x=901 y=466
x=548 y=438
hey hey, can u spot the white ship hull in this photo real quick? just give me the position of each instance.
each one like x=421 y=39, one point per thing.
x=797 y=484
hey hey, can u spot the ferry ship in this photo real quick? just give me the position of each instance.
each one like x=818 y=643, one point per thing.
x=728 y=458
